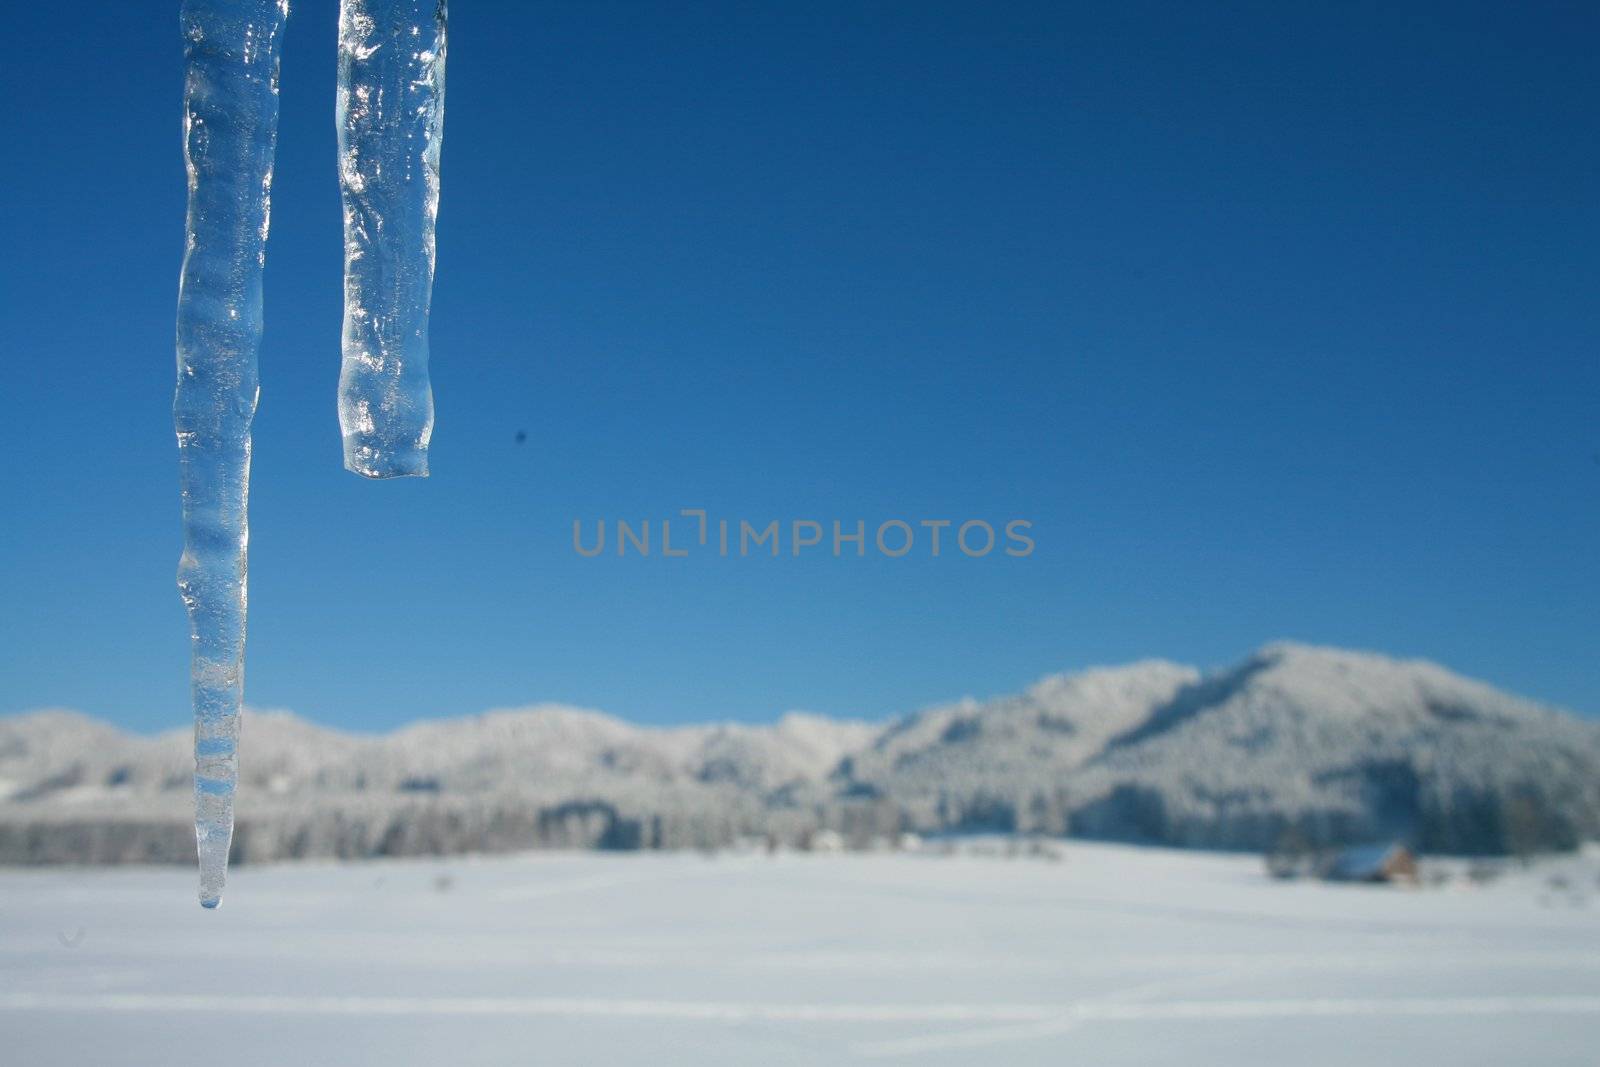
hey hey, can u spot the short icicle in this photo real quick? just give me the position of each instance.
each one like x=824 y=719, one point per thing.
x=390 y=115
x=231 y=53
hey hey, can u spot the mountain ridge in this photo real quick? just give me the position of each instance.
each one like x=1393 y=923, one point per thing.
x=1331 y=744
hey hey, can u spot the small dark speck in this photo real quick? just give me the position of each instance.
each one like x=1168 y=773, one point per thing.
x=522 y=436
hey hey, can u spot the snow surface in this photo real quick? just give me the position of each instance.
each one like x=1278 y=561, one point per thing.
x=1113 y=955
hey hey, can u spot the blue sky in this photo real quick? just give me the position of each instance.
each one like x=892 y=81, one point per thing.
x=1275 y=322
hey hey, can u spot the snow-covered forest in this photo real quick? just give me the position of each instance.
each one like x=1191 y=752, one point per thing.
x=1333 y=746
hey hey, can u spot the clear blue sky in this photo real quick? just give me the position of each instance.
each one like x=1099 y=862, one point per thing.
x=1276 y=322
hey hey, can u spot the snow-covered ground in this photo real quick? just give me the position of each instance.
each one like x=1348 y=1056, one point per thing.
x=1109 y=956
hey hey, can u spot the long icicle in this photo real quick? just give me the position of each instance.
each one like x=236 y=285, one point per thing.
x=390 y=115
x=230 y=124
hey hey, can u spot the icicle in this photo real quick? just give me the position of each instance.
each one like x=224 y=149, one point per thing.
x=390 y=111
x=230 y=124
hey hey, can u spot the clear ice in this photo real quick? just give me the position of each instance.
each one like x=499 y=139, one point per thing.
x=230 y=124
x=390 y=114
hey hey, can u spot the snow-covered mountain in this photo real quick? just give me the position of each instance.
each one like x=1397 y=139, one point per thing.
x=1335 y=745
x=1339 y=745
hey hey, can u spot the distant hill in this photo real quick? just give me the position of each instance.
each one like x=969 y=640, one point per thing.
x=1336 y=746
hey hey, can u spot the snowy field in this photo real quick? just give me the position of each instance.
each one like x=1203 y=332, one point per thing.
x=1110 y=956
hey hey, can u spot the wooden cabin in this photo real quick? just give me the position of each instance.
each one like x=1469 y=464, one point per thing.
x=1373 y=863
